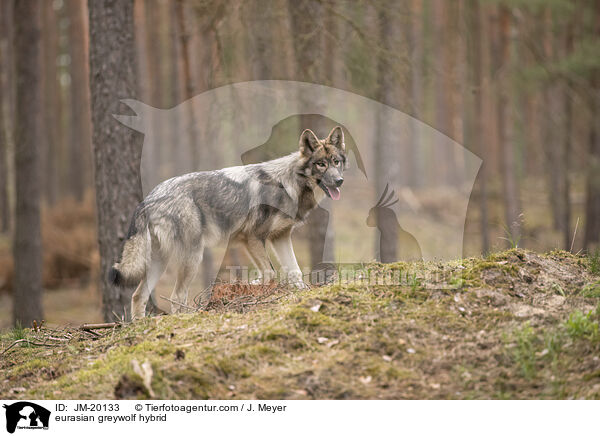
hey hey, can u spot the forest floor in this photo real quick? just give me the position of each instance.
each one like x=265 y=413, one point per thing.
x=513 y=325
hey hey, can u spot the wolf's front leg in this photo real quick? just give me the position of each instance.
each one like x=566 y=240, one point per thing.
x=285 y=252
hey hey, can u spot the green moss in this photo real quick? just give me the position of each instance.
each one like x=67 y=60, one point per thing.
x=29 y=366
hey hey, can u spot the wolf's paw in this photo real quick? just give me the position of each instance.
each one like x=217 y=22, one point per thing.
x=135 y=316
x=295 y=279
x=138 y=311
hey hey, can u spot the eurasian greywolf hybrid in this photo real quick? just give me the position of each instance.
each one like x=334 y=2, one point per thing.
x=252 y=205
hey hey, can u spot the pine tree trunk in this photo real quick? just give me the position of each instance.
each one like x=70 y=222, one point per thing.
x=117 y=149
x=52 y=114
x=7 y=109
x=592 y=200
x=27 y=245
x=80 y=147
x=512 y=204
x=558 y=129
x=4 y=205
x=473 y=117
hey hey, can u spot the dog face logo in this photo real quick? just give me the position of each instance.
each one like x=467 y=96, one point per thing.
x=26 y=415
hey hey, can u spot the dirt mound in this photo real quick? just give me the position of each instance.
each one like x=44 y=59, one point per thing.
x=523 y=272
x=513 y=325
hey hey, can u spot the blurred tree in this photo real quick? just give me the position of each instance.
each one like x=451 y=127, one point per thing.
x=117 y=149
x=6 y=117
x=501 y=46
x=592 y=201
x=199 y=46
x=80 y=141
x=442 y=93
x=185 y=73
x=388 y=169
x=52 y=113
x=30 y=140
x=557 y=40
x=4 y=206
x=473 y=106
x=417 y=89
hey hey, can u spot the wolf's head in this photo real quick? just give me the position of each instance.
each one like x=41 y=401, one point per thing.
x=325 y=160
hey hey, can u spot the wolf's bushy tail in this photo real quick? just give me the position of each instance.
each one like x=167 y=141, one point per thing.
x=130 y=270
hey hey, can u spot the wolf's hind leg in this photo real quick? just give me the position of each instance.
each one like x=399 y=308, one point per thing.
x=258 y=254
x=186 y=273
x=140 y=297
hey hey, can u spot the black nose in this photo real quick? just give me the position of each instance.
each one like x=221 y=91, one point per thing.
x=339 y=182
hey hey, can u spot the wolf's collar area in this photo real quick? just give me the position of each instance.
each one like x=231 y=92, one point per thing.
x=333 y=193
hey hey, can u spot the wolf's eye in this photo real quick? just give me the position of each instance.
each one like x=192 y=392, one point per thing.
x=336 y=162
x=321 y=165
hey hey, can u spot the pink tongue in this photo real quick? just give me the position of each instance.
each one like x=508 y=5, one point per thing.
x=334 y=192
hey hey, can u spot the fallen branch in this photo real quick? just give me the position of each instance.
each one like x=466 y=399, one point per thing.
x=94 y=334
x=36 y=344
x=105 y=325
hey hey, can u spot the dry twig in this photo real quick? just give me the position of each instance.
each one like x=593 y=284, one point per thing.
x=27 y=341
x=105 y=325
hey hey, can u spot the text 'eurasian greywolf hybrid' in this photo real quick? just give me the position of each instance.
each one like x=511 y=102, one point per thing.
x=252 y=205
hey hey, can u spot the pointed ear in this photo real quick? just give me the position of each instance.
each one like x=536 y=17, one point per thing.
x=308 y=142
x=336 y=137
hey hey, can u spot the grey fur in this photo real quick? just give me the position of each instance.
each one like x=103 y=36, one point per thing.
x=252 y=205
